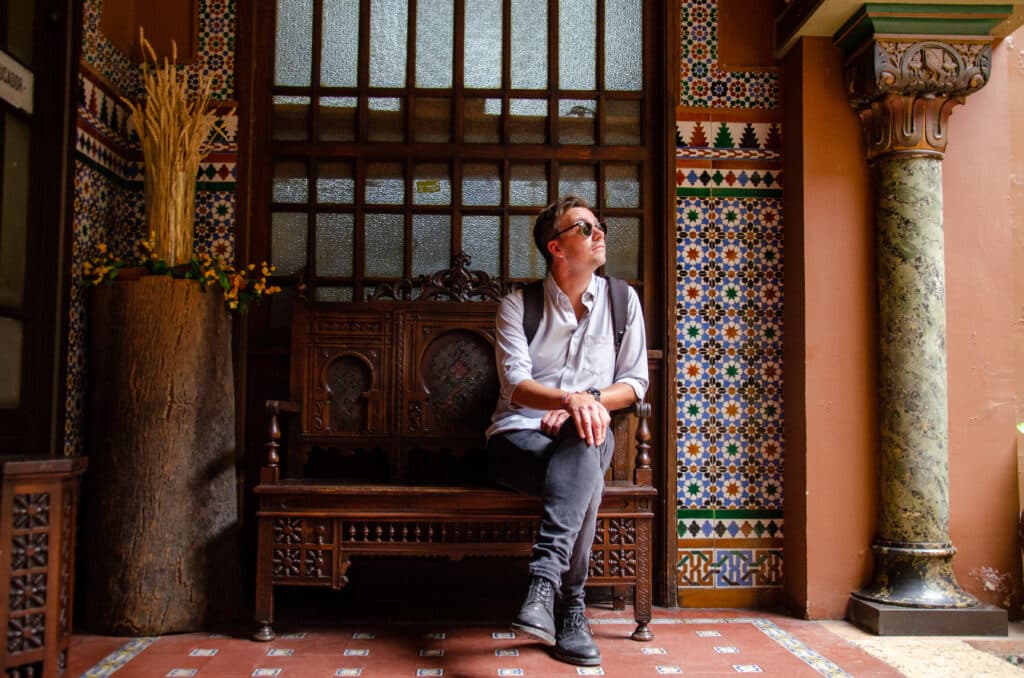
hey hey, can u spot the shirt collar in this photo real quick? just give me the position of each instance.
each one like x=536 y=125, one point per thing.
x=593 y=289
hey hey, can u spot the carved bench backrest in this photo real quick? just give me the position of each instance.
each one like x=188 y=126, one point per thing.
x=408 y=376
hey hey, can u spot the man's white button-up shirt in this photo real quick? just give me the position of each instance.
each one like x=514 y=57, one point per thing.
x=565 y=353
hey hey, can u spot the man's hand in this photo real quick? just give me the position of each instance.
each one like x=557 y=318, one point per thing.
x=551 y=422
x=590 y=416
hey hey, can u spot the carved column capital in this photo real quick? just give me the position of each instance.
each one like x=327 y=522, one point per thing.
x=904 y=90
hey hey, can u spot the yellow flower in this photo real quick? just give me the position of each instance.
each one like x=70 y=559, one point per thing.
x=101 y=248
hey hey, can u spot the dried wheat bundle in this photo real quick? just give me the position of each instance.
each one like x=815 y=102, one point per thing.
x=175 y=136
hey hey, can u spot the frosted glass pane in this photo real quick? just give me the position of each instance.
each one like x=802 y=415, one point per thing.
x=481 y=120
x=431 y=185
x=435 y=42
x=339 y=64
x=337 y=119
x=433 y=120
x=623 y=45
x=14 y=231
x=623 y=247
x=578 y=180
x=528 y=123
x=530 y=44
x=577 y=35
x=334 y=237
x=290 y=118
x=622 y=122
x=525 y=260
x=482 y=63
x=621 y=185
x=385 y=235
x=389 y=30
x=386 y=122
x=334 y=294
x=290 y=182
x=576 y=118
x=384 y=183
x=293 y=56
x=528 y=185
x=481 y=240
x=288 y=242
x=335 y=183
x=11 y=332
x=481 y=184
x=431 y=243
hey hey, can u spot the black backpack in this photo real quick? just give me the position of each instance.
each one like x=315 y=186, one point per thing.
x=533 y=307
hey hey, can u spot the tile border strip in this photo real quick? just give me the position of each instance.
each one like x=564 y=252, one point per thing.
x=119 y=657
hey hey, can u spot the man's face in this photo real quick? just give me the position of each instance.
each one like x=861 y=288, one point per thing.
x=581 y=251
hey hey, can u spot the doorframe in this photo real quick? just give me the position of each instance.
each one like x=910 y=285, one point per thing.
x=56 y=54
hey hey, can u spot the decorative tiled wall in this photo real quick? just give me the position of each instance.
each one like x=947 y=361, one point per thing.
x=109 y=199
x=728 y=319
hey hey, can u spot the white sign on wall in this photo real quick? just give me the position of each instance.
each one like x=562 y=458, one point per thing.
x=15 y=83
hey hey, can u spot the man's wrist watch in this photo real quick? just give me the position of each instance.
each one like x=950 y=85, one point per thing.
x=596 y=392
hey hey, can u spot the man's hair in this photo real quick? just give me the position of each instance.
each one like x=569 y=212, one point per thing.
x=547 y=222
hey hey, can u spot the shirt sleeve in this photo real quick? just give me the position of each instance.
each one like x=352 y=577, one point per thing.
x=511 y=352
x=631 y=363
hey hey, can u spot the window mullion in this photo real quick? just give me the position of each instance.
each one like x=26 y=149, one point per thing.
x=363 y=82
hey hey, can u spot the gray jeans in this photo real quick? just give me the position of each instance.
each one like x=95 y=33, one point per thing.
x=568 y=475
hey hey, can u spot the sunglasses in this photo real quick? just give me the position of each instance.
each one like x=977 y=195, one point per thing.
x=586 y=228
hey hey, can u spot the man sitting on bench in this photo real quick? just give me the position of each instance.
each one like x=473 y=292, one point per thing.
x=563 y=365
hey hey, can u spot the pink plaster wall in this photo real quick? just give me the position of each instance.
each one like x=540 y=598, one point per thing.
x=831 y=449
x=982 y=325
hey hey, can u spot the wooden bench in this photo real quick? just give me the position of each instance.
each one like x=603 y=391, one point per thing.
x=390 y=399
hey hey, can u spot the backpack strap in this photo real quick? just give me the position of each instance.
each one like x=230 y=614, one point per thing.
x=618 y=292
x=533 y=308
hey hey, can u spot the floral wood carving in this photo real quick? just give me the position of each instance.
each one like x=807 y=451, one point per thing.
x=457 y=283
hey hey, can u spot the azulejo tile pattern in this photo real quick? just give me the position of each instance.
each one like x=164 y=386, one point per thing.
x=729 y=187
x=216 y=49
x=703 y=83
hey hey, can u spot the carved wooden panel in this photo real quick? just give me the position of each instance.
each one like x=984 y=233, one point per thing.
x=347 y=379
x=460 y=378
x=38 y=495
x=386 y=531
x=303 y=549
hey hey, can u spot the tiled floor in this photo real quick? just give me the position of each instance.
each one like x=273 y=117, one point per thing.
x=688 y=642
x=454 y=623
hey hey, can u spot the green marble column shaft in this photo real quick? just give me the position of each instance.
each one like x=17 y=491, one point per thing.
x=912 y=350
x=913 y=551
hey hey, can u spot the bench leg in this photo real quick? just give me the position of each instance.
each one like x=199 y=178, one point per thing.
x=264 y=586
x=642 y=591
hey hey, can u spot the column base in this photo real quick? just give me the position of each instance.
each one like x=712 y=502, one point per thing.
x=899 y=620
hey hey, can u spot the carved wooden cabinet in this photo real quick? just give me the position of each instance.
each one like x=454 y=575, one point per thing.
x=38 y=506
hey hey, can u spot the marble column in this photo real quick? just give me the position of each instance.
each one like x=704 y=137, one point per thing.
x=904 y=89
x=913 y=552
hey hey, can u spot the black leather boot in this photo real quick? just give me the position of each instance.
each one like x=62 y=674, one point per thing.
x=536 y=616
x=574 y=643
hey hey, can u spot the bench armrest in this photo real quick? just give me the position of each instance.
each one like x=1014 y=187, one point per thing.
x=271 y=469
x=642 y=473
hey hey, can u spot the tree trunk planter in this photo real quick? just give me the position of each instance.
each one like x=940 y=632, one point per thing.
x=160 y=545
